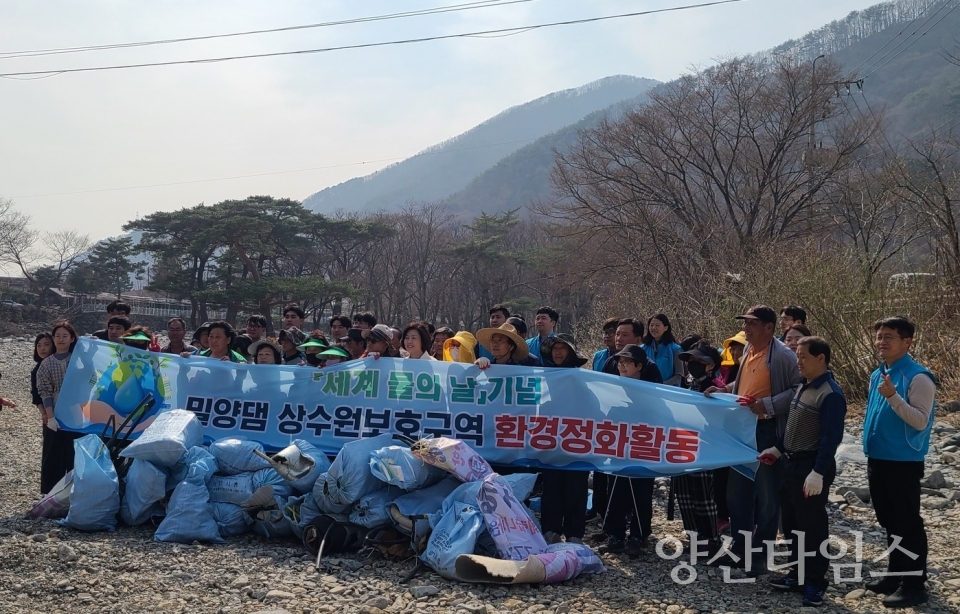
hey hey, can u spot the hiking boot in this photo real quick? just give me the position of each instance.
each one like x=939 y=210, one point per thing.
x=552 y=537
x=812 y=596
x=613 y=546
x=906 y=597
x=886 y=585
x=786 y=583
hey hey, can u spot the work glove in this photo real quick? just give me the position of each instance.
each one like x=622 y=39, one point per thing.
x=769 y=456
x=813 y=485
x=483 y=363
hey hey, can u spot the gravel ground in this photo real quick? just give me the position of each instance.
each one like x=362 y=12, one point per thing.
x=46 y=568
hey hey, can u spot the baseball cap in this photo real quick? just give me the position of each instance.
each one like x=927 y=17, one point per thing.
x=760 y=312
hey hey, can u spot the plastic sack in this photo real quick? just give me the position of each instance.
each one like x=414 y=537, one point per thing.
x=55 y=503
x=168 y=438
x=565 y=561
x=189 y=516
x=198 y=463
x=95 y=498
x=371 y=510
x=270 y=477
x=454 y=456
x=145 y=485
x=455 y=534
x=300 y=463
x=237 y=455
x=513 y=530
x=270 y=522
x=231 y=519
x=397 y=466
x=349 y=476
x=419 y=502
x=520 y=484
x=299 y=511
x=231 y=488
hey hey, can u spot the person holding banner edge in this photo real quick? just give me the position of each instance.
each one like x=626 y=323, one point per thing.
x=57 y=459
x=765 y=384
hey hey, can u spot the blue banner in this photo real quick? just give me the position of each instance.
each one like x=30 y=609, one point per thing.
x=535 y=417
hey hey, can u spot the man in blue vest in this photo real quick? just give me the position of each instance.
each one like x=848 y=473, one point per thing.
x=896 y=437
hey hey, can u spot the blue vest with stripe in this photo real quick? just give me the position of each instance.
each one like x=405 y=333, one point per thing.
x=885 y=435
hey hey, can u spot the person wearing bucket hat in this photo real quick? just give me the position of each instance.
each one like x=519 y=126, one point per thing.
x=565 y=493
x=504 y=343
x=289 y=339
x=630 y=494
x=562 y=348
x=265 y=352
x=765 y=383
x=200 y=337
x=379 y=340
x=461 y=347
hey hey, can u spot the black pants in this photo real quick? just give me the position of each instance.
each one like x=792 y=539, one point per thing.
x=600 y=493
x=631 y=497
x=563 y=504
x=806 y=515
x=895 y=493
x=56 y=458
x=720 y=492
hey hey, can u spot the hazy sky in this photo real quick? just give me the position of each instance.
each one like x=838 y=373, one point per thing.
x=85 y=133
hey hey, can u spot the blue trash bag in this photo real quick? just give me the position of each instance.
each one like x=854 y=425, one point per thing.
x=299 y=511
x=349 y=476
x=168 y=438
x=237 y=455
x=145 y=486
x=371 y=510
x=426 y=501
x=397 y=466
x=198 y=462
x=230 y=488
x=272 y=523
x=95 y=496
x=269 y=476
x=521 y=484
x=455 y=534
x=189 y=515
x=231 y=519
x=302 y=452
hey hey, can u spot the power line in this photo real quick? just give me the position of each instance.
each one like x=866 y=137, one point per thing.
x=370 y=45
x=389 y=16
x=914 y=41
x=898 y=35
x=299 y=170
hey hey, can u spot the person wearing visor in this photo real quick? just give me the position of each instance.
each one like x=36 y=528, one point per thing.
x=333 y=356
x=138 y=337
x=311 y=351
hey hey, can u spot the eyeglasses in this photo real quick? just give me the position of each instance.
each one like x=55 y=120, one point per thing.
x=888 y=338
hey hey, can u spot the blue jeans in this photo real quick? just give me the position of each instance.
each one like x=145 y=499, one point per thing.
x=756 y=503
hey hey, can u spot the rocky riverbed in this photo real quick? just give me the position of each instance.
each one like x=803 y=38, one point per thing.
x=47 y=568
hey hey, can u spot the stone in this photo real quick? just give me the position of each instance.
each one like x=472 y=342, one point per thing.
x=240 y=582
x=934 y=480
x=473 y=608
x=423 y=591
x=39 y=537
x=935 y=504
x=930 y=492
x=949 y=407
x=954 y=583
x=835 y=499
x=381 y=603
x=863 y=494
x=66 y=553
x=278 y=595
x=943 y=427
x=855 y=594
x=949 y=458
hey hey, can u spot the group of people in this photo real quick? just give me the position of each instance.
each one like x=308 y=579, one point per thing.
x=775 y=367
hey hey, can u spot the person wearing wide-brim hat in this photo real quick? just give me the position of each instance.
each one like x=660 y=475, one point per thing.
x=565 y=493
x=273 y=357
x=504 y=343
x=571 y=358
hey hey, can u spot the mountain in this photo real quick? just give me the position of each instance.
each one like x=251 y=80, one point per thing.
x=444 y=169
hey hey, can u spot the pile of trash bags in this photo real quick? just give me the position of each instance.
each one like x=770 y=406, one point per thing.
x=438 y=495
